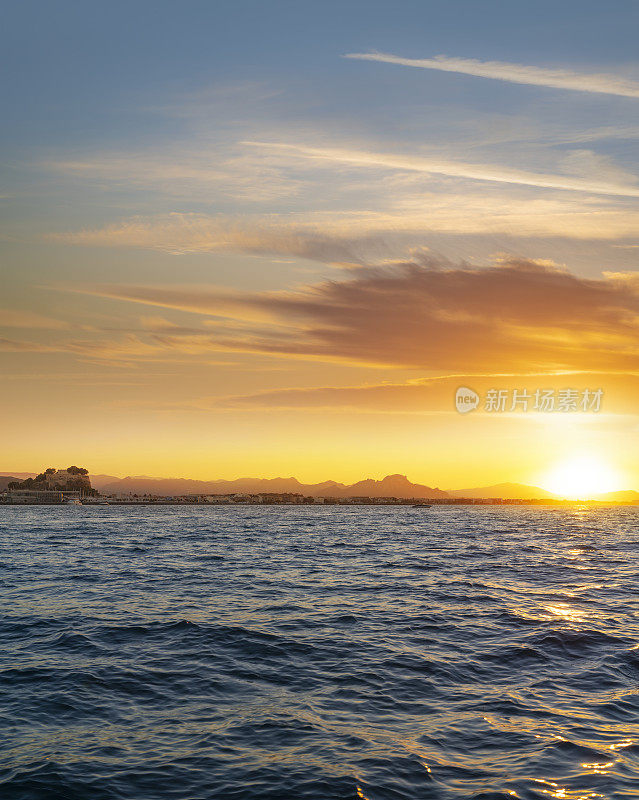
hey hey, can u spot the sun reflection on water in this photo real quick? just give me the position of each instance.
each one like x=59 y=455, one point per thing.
x=622 y=744
x=600 y=769
x=565 y=612
x=562 y=793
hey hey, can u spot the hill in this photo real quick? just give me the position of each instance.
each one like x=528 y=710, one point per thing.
x=5 y=480
x=19 y=476
x=627 y=496
x=71 y=479
x=390 y=486
x=505 y=491
x=97 y=481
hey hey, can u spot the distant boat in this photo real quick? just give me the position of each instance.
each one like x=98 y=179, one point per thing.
x=421 y=505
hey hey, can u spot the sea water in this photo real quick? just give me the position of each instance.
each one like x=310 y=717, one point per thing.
x=196 y=652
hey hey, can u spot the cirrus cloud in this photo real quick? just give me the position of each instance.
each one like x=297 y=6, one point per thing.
x=494 y=173
x=515 y=73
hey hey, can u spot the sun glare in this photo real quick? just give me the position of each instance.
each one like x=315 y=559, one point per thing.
x=582 y=477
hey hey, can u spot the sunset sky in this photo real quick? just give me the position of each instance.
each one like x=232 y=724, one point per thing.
x=262 y=239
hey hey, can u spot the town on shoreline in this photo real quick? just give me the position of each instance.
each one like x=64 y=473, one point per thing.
x=72 y=486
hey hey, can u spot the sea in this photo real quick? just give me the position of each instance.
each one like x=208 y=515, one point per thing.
x=364 y=652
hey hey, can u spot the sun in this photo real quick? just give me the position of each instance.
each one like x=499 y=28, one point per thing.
x=581 y=477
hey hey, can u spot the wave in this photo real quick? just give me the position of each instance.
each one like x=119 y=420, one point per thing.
x=484 y=653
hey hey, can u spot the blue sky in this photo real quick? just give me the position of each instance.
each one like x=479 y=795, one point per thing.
x=95 y=91
x=81 y=69
x=93 y=77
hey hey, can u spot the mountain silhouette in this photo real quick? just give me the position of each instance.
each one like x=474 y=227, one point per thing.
x=505 y=491
x=390 y=486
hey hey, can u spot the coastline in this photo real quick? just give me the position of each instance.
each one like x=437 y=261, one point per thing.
x=345 y=503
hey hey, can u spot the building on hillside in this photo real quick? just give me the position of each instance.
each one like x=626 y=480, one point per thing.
x=33 y=497
x=71 y=479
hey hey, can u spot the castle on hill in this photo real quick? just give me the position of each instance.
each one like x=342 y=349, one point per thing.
x=67 y=482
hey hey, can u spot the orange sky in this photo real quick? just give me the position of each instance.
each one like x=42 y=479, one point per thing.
x=292 y=273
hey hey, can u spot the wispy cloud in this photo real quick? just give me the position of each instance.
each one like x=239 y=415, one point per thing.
x=197 y=169
x=14 y=318
x=599 y=83
x=360 y=237
x=457 y=169
x=199 y=233
x=516 y=315
x=430 y=395
x=17 y=346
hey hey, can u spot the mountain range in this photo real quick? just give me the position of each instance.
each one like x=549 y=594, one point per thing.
x=390 y=486
x=505 y=491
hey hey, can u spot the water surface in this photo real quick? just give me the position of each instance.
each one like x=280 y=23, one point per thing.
x=306 y=652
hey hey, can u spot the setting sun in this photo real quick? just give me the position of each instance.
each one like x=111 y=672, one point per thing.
x=582 y=477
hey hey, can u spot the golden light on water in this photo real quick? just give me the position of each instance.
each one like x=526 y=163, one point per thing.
x=566 y=613
x=582 y=477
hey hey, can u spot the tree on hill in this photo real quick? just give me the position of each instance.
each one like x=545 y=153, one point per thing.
x=79 y=481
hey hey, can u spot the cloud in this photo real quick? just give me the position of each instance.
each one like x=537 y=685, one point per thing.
x=433 y=395
x=195 y=170
x=15 y=346
x=158 y=344
x=128 y=348
x=361 y=237
x=14 y=318
x=156 y=347
x=156 y=324
x=599 y=83
x=180 y=234
x=516 y=315
x=586 y=164
x=494 y=173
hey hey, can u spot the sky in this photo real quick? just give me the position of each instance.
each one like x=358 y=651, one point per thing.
x=274 y=239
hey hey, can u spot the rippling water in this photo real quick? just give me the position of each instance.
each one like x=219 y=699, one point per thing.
x=193 y=653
